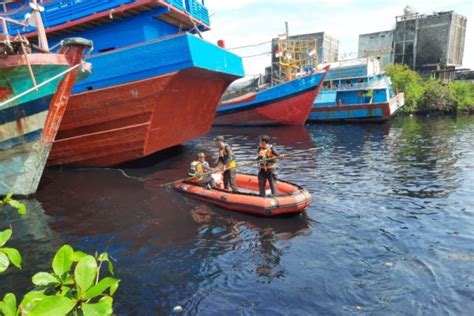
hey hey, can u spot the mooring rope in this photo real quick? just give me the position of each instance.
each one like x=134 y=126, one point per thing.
x=35 y=88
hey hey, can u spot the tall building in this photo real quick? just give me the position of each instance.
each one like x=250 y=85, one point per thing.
x=378 y=45
x=429 y=42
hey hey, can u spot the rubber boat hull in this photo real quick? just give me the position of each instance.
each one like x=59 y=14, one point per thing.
x=292 y=199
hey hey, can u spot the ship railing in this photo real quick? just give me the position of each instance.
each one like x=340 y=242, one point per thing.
x=60 y=12
x=195 y=8
x=379 y=84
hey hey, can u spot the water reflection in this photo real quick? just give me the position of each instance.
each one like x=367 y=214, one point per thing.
x=390 y=228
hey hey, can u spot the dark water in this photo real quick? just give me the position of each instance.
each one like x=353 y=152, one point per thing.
x=390 y=231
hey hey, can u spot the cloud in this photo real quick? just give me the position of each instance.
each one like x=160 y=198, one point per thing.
x=252 y=21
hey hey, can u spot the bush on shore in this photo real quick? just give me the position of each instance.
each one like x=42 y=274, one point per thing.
x=431 y=96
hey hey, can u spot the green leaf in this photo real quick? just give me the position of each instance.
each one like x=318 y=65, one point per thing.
x=102 y=308
x=5 y=236
x=78 y=255
x=4 y=262
x=100 y=287
x=14 y=256
x=53 y=305
x=19 y=206
x=8 y=308
x=62 y=261
x=44 y=278
x=85 y=273
x=8 y=198
x=30 y=300
x=105 y=257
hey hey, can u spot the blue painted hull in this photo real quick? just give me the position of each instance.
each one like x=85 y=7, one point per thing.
x=22 y=153
x=156 y=58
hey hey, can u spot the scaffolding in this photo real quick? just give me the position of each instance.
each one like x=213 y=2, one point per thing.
x=294 y=58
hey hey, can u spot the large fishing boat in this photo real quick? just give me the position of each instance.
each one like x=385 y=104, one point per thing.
x=155 y=84
x=288 y=98
x=356 y=91
x=35 y=85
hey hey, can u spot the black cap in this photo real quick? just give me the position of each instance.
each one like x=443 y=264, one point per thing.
x=265 y=138
x=219 y=138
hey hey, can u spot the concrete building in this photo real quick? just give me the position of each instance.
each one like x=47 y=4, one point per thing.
x=429 y=43
x=378 y=45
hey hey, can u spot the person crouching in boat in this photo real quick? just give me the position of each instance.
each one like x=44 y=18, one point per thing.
x=200 y=171
x=268 y=166
x=227 y=163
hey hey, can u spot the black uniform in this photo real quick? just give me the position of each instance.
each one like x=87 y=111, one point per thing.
x=267 y=170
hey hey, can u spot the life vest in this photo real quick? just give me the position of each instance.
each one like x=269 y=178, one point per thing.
x=267 y=153
x=223 y=155
x=196 y=169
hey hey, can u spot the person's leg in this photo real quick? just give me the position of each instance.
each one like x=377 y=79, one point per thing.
x=272 y=179
x=232 y=175
x=261 y=182
x=226 y=180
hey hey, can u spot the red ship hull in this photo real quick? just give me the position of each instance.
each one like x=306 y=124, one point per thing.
x=110 y=126
x=287 y=104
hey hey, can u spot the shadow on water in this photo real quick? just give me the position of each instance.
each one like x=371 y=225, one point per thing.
x=390 y=228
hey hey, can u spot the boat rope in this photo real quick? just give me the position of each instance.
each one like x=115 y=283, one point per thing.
x=250 y=45
x=249 y=163
x=35 y=88
x=257 y=55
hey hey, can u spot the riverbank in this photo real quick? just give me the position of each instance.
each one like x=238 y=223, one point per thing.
x=430 y=96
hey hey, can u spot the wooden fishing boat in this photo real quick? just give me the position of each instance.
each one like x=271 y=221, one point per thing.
x=155 y=85
x=288 y=103
x=34 y=91
x=291 y=198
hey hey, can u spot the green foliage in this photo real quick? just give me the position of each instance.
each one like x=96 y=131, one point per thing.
x=463 y=93
x=7 y=200
x=73 y=287
x=430 y=96
x=408 y=81
x=8 y=255
x=437 y=98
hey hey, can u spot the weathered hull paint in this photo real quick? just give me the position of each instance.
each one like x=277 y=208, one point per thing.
x=110 y=126
x=286 y=104
x=376 y=112
x=29 y=125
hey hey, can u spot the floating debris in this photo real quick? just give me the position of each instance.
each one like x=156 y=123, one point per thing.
x=389 y=264
x=177 y=309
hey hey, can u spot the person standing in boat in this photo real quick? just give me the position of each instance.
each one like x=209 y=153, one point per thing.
x=268 y=166
x=227 y=163
x=200 y=171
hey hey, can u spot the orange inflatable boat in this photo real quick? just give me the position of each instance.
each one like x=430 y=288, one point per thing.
x=291 y=198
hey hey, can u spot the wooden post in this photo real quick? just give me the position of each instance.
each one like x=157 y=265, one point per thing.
x=43 y=41
x=5 y=31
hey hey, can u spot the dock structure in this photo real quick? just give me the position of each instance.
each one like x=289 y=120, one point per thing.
x=430 y=44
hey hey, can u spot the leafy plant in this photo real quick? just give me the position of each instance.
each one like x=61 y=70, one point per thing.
x=73 y=287
x=8 y=200
x=8 y=255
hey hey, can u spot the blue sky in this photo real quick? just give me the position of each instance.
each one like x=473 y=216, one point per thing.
x=242 y=22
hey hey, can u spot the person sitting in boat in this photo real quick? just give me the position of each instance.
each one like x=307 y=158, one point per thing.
x=200 y=171
x=267 y=165
x=227 y=163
